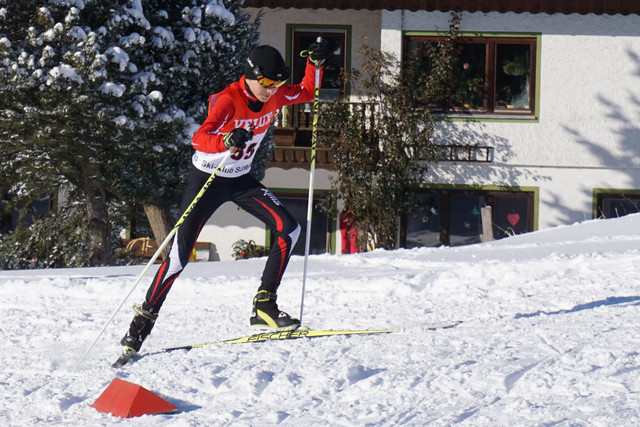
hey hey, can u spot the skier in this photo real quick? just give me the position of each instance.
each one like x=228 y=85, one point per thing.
x=238 y=118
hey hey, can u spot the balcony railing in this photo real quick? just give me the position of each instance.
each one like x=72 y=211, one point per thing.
x=292 y=138
x=299 y=157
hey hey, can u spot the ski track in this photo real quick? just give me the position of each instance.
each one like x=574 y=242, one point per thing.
x=549 y=337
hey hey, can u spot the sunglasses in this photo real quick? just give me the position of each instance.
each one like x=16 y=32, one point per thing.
x=268 y=83
x=265 y=81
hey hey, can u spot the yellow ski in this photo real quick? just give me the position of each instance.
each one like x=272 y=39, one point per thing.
x=286 y=335
x=302 y=333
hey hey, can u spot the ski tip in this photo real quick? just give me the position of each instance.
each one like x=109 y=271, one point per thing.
x=121 y=362
x=125 y=358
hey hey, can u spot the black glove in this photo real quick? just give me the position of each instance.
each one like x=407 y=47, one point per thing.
x=237 y=138
x=318 y=50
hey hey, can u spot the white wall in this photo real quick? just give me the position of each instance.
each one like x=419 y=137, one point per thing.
x=228 y=225
x=588 y=133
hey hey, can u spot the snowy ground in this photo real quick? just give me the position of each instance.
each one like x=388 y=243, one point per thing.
x=549 y=337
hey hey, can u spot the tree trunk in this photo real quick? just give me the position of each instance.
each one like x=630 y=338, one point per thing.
x=159 y=216
x=100 y=249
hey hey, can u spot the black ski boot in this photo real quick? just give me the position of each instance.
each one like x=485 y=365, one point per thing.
x=139 y=329
x=266 y=315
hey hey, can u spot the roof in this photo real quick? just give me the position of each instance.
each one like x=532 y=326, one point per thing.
x=598 y=7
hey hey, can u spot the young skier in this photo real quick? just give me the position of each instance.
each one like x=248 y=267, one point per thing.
x=238 y=118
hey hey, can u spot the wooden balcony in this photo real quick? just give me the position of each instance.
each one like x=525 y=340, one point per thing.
x=292 y=138
x=299 y=157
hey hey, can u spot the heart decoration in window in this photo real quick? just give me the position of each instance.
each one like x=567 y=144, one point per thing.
x=513 y=219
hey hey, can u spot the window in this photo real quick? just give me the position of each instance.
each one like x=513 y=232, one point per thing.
x=294 y=123
x=465 y=220
x=302 y=38
x=494 y=75
x=422 y=228
x=614 y=205
x=454 y=217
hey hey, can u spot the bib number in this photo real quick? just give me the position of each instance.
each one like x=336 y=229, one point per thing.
x=246 y=152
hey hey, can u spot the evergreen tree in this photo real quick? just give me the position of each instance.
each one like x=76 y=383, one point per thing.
x=259 y=165
x=183 y=50
x=38 y=245
x=56 y=111
x=103 y=96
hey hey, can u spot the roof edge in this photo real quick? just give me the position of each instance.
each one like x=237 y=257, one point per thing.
x=597 y=7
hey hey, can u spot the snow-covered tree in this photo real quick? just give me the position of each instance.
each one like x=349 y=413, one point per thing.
x=56 y=114
x=184 y=50
x=104 y=96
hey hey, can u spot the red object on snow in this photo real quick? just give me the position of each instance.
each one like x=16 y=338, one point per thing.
x=348 y=233
x=126 y=400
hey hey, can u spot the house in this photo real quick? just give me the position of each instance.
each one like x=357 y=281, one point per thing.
x=551 y=137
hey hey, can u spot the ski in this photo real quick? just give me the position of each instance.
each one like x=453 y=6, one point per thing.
x=283 y=335
x=125 y=358
x=301 y=333
x=128 y=356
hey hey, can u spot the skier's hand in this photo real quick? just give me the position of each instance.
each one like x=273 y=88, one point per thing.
x=318 y=51
x=237 y=139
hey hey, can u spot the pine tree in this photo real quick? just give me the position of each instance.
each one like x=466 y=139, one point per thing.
x=184 y=51
x=103 y=96
x=56 y=113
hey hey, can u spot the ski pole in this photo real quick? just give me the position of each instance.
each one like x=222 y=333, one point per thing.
x=312 y=170
x=158 y=252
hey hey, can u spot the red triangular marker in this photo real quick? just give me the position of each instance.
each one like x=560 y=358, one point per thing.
x=127 y=400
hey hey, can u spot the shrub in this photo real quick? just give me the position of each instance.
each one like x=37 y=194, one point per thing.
x=245 y=250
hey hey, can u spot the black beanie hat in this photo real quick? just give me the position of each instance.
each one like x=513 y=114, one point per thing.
x=266 y=61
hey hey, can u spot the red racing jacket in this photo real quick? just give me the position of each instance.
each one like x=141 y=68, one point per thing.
x=229 y=109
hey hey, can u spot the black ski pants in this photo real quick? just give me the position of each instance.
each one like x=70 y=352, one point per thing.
x=246 y=192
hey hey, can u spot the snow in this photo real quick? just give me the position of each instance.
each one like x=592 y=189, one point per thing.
x=138 y=108
x=78 y=33
x=155 y=95
x=163 y=37
x=118 y=56
x=64 y=71
x=195 y=15
x=132 y=40
x=49 y=35
x=216 y=8
x=549 y=337
x=137 y=13
x=189 y=36
x=72 y=15
x=115 y=89
x=186 y=58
